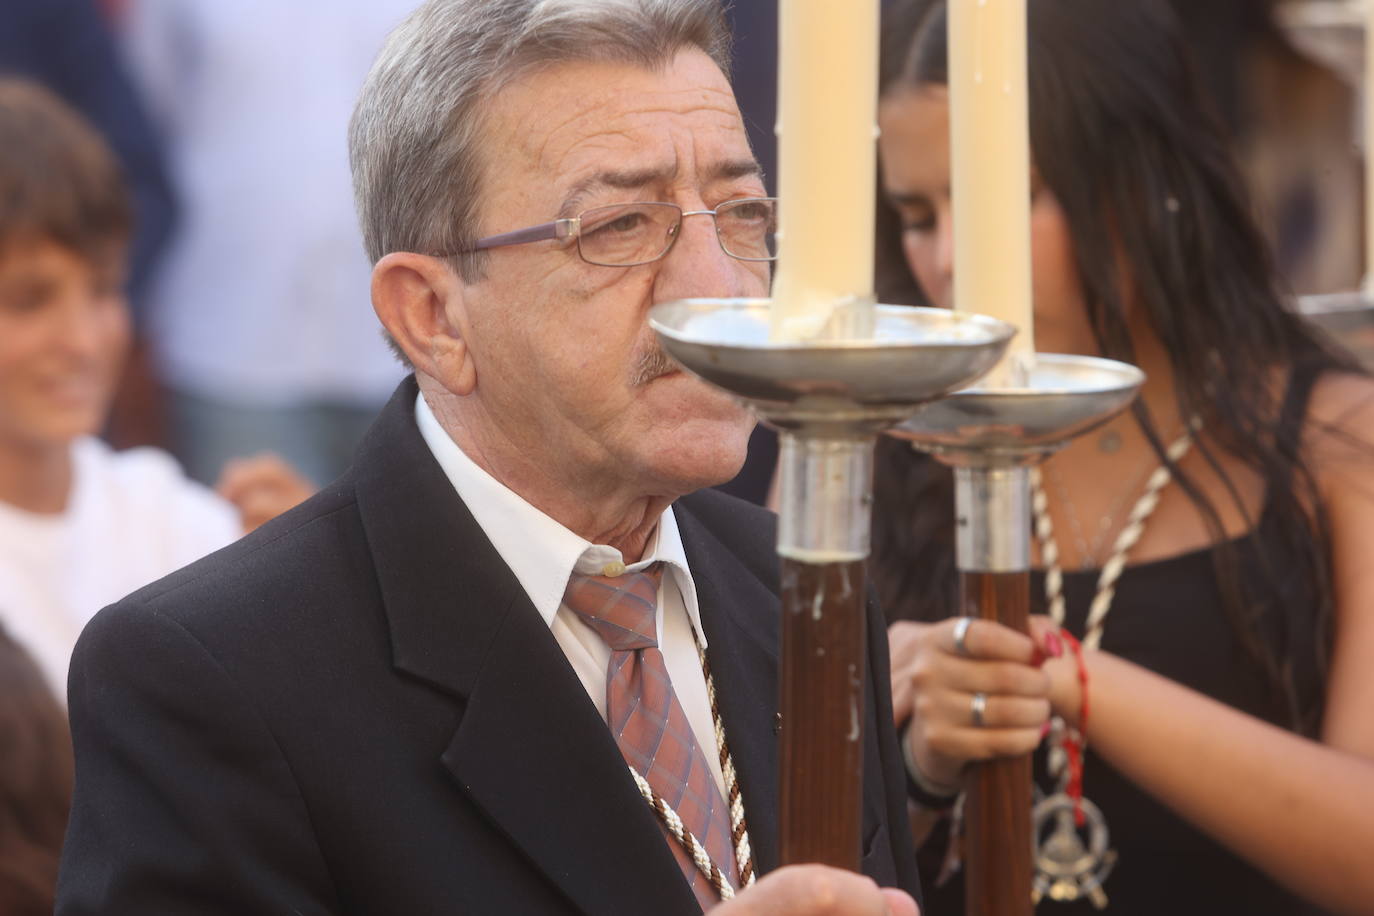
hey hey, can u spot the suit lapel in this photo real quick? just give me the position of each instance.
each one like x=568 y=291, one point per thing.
x=530 y=749
x=740 y=616
x=534 y=754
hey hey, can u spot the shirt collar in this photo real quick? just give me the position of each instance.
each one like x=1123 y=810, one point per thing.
x=539 y=550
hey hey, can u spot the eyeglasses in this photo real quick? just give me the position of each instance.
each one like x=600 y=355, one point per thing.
x=626 y=235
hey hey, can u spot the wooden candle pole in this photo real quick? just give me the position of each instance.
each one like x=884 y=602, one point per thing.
x=997 y=823
x=990 y=184
x=993 y=546
x=823 y=536
x=822 y=689
x=827 y=113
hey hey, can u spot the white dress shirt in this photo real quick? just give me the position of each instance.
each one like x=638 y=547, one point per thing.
x=543 y=555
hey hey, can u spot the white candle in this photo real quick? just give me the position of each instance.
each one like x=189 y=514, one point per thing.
x=990 y=164
x=1368 y=90
x=827 y=117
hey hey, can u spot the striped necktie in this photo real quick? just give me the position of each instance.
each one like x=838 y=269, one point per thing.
x=647 y=720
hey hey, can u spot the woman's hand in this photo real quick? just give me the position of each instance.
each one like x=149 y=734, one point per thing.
x=936 y=678
x=1061 y=665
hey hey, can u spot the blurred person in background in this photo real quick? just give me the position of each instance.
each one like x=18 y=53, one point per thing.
x=68 y=47
x=35 y=784
x=1292 y=122
x=82 y=525
x=260 y=310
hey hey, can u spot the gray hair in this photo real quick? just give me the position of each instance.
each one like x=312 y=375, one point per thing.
x=413 y=140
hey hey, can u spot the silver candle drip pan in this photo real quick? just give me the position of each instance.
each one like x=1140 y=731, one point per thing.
x=913 y=356
x=1066 y=396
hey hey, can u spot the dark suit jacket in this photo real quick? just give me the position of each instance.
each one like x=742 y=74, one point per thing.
x=356 y=709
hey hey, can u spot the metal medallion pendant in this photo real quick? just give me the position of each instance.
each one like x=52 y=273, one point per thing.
x=1067 y=868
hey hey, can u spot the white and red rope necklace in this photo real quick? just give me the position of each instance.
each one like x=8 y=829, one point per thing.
x=1065 y=868
x=1125 y=541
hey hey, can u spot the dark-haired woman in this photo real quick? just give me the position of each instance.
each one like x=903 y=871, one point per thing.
x=35 y=784
x=1231 y=732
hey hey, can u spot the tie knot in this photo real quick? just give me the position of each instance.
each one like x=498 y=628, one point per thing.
x=621 y=609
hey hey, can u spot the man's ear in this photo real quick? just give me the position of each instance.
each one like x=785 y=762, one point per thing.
x=419 y=300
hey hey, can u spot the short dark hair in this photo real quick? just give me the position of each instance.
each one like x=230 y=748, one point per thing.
x=59 y=181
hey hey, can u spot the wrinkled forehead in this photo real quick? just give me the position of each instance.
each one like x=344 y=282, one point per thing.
x=553 y=127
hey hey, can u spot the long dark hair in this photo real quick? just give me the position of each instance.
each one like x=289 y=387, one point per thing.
x=35 y=784
x=1141 y=168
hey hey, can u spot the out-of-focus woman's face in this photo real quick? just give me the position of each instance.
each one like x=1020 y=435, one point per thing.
x=916 y=176
x=64 y=332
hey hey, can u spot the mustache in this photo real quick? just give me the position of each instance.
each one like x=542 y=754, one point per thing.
x=651 y=364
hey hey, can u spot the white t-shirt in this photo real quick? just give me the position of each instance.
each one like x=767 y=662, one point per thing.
x=132 y=518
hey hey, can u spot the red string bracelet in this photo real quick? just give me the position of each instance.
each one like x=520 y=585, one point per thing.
x=1075 y=740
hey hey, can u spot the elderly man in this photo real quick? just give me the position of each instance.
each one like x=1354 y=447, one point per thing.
x=396 y=698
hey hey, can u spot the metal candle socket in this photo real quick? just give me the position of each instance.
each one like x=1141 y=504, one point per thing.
x=829 y=399
x=991 y=437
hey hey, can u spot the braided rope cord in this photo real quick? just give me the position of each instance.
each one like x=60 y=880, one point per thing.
x=1049 y=548
x=1125 y=541
x=739 y=829
x=694 y=848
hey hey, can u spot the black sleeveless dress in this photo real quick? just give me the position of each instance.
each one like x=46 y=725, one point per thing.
x=1168 y=617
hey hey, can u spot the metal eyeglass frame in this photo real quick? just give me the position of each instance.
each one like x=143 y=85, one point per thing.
x=571 y=228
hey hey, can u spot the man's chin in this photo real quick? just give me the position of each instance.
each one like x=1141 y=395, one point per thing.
x=687 y=473
x=703 y=454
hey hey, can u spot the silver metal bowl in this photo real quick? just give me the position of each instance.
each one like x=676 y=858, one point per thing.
x=914 y=356
x=1067 y=396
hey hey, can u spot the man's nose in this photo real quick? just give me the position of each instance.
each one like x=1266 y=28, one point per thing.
x=699 y=267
